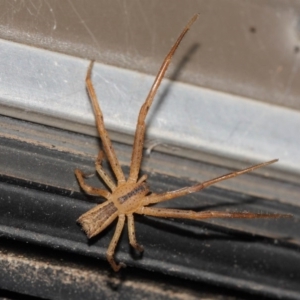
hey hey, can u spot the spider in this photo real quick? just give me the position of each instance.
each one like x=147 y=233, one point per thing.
x=133 y=195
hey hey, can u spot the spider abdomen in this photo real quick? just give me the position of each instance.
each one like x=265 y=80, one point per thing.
x=98 y=218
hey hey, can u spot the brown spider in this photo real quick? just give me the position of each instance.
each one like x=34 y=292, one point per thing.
x=133 y=195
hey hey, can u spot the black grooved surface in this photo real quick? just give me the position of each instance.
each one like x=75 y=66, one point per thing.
x=256 y=257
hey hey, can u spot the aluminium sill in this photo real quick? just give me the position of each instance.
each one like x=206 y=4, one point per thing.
x=48 y=88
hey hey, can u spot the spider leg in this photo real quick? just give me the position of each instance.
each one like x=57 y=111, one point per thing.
x=143 y=178
x=190 y=214
x=107 y=145
x=112 y=246
x=89 y=189
x=156 y=198
x=140 y=128
x=102 y=173
x=131 y=233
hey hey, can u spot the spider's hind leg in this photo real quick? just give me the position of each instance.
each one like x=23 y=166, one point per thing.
x=90 y=190
x=131 y=233
x=113 y=244
x=98 y=164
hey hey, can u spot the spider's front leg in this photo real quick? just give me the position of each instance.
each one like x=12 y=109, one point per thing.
x=202 y=215
x=139 y=137
x=156 y=198
x=106 y=142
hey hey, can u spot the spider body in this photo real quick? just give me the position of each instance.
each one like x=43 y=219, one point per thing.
x=133 y=196
x=125 y=200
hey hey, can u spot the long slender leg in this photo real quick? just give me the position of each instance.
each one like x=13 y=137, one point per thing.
x=189 y=214
x=107 y=145
x=156 y=198
x=112 y=246
x=131 y=233
x=102 y=172
x=140 y=128
x=89 y=189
